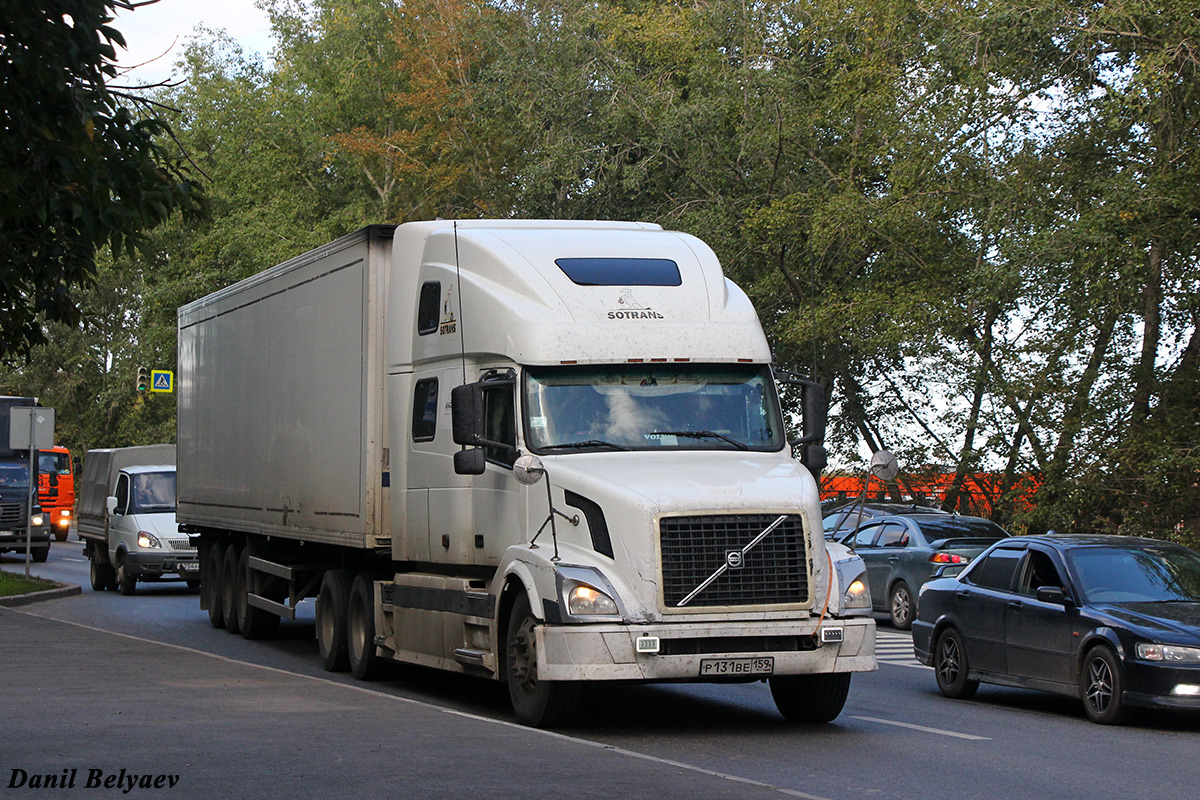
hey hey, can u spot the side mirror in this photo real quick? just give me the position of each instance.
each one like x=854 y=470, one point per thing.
x=470 y=462
x=884 y=465
x=111 y=504
x=466 y=415
x=1052 y=594
x=528 y=469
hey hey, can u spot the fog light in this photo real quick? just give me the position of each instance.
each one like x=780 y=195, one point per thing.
x=1186 y=690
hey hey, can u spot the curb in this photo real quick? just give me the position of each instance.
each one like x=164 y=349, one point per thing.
x=62 y=590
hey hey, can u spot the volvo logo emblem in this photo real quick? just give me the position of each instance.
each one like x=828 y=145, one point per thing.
x=735 y=559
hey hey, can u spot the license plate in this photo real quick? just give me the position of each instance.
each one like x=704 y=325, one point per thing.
x=189 y=566
x=732 y=667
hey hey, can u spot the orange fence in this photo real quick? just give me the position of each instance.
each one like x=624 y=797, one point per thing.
x=980 y=494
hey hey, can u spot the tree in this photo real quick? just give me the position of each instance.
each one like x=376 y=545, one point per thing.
x=83 y=164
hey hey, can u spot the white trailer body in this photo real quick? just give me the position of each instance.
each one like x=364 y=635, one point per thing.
x=368 y=423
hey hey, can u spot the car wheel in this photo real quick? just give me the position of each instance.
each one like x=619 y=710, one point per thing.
x=950 y=666
x=1101 y=687
x=902 y=606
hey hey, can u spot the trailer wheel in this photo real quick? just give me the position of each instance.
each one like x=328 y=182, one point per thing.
x=810 y=698
x=360 y=630
x=126 y=583
x=229 y=585
x=212 y=585
x=102 y=575
x=538 y=703
x=254 y=622
x=333 y=602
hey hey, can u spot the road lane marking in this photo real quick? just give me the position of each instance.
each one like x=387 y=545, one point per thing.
x=454 y=712
x=938 y=731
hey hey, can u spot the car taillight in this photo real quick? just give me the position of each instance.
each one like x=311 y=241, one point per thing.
x=947 y=558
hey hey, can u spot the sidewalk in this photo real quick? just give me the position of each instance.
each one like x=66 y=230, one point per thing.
x=93 y=714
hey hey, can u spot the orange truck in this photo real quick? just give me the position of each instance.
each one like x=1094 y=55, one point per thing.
x=56 y=489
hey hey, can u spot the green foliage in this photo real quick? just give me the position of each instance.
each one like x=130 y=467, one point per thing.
x=81 y=166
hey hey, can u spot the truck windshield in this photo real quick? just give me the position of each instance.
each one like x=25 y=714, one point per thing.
x=153 y=492
x=651 y=407
x=14 y=474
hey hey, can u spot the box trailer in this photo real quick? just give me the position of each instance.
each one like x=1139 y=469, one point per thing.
x=545 y=452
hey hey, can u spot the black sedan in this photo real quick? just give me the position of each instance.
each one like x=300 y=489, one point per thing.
x=903 y=552
x=1112 y=620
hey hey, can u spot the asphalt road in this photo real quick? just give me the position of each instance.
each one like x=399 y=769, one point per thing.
x=897 y=737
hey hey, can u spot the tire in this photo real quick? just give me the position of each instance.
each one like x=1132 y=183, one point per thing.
x=212 y=584
x=103 y=576
x=193 y=585
x=40 y=554
x=333 y=603
x=1101 y=686
x=126 y=583
x=537 y=703
x=229 y=588
x=810 y=698
x=360 y=630
x=950 y=666
x=255 y=623
x=61 y=536
x=902 y=606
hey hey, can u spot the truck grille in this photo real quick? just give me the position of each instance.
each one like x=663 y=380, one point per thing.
x=775 y=571
x=12 y=516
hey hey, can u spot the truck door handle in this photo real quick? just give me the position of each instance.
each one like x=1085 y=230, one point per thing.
x=1015 y=605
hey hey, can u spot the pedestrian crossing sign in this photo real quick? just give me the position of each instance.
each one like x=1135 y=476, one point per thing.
x=162 y=380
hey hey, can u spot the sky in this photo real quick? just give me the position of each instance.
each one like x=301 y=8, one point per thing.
x=162 y=28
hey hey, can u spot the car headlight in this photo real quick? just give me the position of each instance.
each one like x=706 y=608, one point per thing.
x=857 y=595
x=147 y=540
x=1168 y=653
x=584 y=600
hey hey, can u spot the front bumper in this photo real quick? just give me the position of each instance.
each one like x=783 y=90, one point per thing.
x=1150 y=684
x=155 y=565
x=609 y=652
x=11 y=539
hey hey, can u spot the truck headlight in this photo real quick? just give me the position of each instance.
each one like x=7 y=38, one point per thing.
x=584 y=600
x=37 y=520
x=147 y=540
x=857 y=595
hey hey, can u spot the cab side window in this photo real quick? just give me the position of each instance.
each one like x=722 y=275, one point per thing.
x=997 y=570
x=123 y=494
x=424 y=411
x=500 y=422
x=428 y=305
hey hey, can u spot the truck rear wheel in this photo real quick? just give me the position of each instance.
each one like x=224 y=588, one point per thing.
x=360 y=638
x=255 y=623
x=126 y=583
x=212 y=585
x=810 y=698
x=333 y=603
x=229 y=582
x=538 y=703
x=103 y=576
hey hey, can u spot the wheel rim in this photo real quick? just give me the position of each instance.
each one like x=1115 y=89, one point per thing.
x=900 y=605
x=948 y=661
x=522 y=657
x=1100 y=685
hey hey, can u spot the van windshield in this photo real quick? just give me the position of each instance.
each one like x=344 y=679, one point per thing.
x=153 y=492
x=651 y=407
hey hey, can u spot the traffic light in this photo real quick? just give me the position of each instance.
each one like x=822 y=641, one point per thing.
x=143 y=379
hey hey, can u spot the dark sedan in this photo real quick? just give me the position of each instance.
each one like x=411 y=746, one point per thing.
x=903 y=552
x=838 y=521
x=1112 y=620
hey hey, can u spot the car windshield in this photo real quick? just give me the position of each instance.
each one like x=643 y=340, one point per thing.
x=153 y=492
x=1137 y=575
x=661 y=406
x=960 y=528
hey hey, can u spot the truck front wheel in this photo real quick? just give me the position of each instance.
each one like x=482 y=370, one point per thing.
x=538 y=703
x=126 y=583
x=810 y=698
x=333 y=603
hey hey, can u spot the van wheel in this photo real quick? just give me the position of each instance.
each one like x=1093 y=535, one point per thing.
x=538 y=703
x=212 y=585
x=126 y=583
x=333 y=602
x=360 y=630
x=255 y=623
x=102 y=575
x=229 y=588
x=810 y=698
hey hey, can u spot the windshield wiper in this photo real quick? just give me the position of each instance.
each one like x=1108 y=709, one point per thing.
x=585 y=443
x=703 y=435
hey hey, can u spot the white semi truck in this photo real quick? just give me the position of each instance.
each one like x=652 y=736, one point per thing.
x=545 y=452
